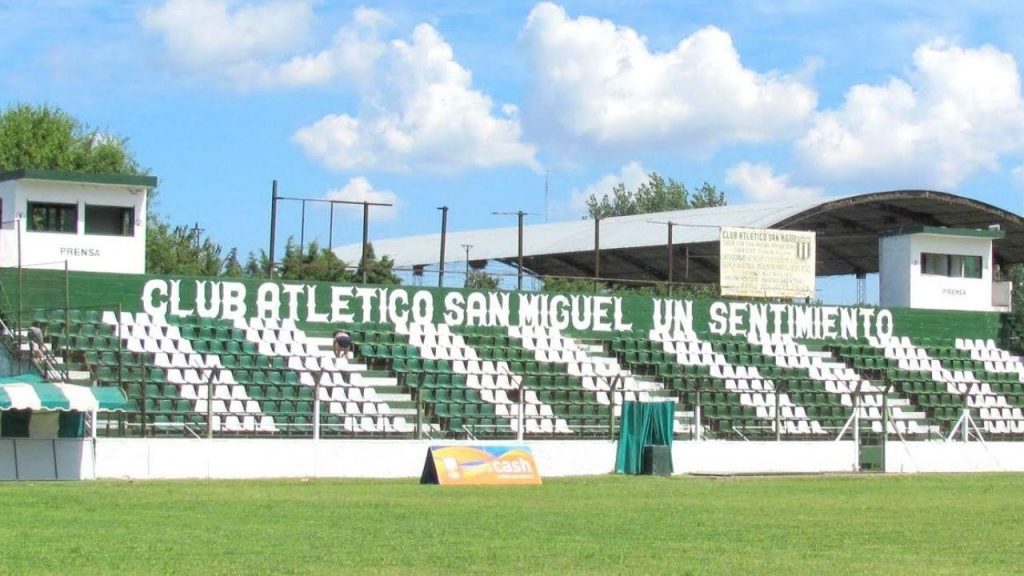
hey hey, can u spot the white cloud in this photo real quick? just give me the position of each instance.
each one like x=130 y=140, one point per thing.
x=422 y=112
x=598 y=83
x=1018 y=174
x=956 y=112
x=359 y=189
x=760 y=183
x=632 y=175
x=215 y=36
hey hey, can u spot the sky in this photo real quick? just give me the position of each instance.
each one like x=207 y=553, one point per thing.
x=505 y=106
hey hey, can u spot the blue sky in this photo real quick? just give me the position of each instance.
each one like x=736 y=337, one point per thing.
x=471 y=104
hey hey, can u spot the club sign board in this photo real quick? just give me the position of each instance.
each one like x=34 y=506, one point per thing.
x=764 y=263
x=480 y=465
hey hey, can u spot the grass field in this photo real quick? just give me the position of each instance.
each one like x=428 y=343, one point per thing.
x=782 y=525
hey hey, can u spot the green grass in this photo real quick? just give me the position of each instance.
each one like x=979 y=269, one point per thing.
x=784 y=525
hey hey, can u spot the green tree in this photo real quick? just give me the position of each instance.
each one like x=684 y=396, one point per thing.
x=655 y=195
x=480 y=280
x=180 y=250
x=48 y=138
x=232 y=267
x=312 y=263
x=378 y=270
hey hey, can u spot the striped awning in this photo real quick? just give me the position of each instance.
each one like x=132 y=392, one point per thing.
x=31 y=393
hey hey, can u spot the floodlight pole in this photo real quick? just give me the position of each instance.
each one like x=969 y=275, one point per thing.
x=520 y=214
x=597 y=251
x=467 y=247
x=669 y=252
x=273 y=224
x=444 y=233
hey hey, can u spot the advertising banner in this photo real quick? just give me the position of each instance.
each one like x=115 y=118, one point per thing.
x=480 y=465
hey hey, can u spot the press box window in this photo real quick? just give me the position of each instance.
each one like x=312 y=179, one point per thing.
x=52 y=217
x=109 y=220
x=951 y=265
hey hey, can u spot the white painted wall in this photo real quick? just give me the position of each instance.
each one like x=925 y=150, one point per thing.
x=901 y=283
x=60 y=459
x=90 y=253
x=912 y=457
x=142 y=459
x=261 y=458
x=728 y=457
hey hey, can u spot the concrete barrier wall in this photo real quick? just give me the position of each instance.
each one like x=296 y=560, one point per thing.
x=912 y=457
x=725 y=457
x=262 y=458
x=34 y=459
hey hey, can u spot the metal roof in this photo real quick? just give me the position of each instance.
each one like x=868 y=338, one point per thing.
x=136 y=180
x=635 y=247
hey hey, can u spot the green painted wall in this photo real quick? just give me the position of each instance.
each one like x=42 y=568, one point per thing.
x=48 y=290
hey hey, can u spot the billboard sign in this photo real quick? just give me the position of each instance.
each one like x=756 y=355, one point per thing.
x=762 y=263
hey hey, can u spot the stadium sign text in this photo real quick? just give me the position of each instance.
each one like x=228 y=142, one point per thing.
x=230 y=300
x=336 y=304
x=763 y=319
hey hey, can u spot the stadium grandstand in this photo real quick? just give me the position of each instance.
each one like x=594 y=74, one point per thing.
x=758 y=383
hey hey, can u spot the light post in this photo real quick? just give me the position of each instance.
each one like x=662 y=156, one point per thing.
x=520 y=214
x=444 y=232
x=467 y=248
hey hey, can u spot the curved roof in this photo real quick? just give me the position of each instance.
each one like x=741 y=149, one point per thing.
x=635 y=247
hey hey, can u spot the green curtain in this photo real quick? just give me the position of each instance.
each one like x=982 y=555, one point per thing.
x=642 y=424
x=72 y=425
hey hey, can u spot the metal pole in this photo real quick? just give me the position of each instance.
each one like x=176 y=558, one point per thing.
x=67 y=320
x=330 y=233
x=519 y=283
x=419 y=413
x=885 y=422
x=687 y=269
x=366 y=219
x=967 y=418
x=302 y=229
x=856 y=426
x=466 y=247
x=668 y=250
x=316 y=406
x=522 y=412
x=698 y=429
x=209 y=404
x=597 y=252
x=145 y=394
x=21 y=288
x=273 y=224
x=444 y=233
x=778 y=418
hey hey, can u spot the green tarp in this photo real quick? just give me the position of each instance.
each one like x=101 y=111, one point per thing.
x=642 y=424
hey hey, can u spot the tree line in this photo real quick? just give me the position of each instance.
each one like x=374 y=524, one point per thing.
x=48 y=138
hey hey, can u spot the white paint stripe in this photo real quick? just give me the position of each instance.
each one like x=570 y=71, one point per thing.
x=23 y=397
x=79 y=397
